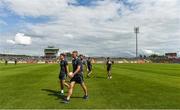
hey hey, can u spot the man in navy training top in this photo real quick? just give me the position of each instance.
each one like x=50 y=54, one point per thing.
x=76 y=77
x=63 y=73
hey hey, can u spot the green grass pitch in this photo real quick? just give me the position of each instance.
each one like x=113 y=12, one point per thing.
x=132 y=86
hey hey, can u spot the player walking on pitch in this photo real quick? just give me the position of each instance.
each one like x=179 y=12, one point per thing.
x=76 y=77
x=109 y=67
x=81 y=57
x=63 y=72
x=89 y=66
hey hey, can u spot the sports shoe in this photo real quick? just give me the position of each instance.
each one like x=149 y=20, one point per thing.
x=60 y=93
x=85 y=97
x=66 y=101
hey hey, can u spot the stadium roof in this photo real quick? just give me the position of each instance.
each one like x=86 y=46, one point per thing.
x=51 y=49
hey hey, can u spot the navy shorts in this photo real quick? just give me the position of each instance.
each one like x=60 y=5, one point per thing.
x=78 y=78
x=89 y=68
x=109 y=68
x=62 y=76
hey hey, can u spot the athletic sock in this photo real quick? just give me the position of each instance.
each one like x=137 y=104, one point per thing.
x=68 y=98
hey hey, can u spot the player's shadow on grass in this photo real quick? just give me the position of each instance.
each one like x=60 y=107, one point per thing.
x=53 y=93
x=100 y=77
x=57 y=94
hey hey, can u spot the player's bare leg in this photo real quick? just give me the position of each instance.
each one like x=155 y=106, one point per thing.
x=70 y=91
x=109 y=75
x=85 y=90
x=62 y=86
x=89 y=73
x=66 y=84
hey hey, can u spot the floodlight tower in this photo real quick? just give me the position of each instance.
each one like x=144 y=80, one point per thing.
x=136 y=31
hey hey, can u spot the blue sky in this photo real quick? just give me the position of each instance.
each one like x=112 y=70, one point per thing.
x=106 y=26
x=13 y=20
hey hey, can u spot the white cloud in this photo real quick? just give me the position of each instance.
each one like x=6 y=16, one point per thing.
x=105 y=28
x=20 y=39
x=70 y=36
x=37 y=7
x=10 y=41
x=150 y=52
